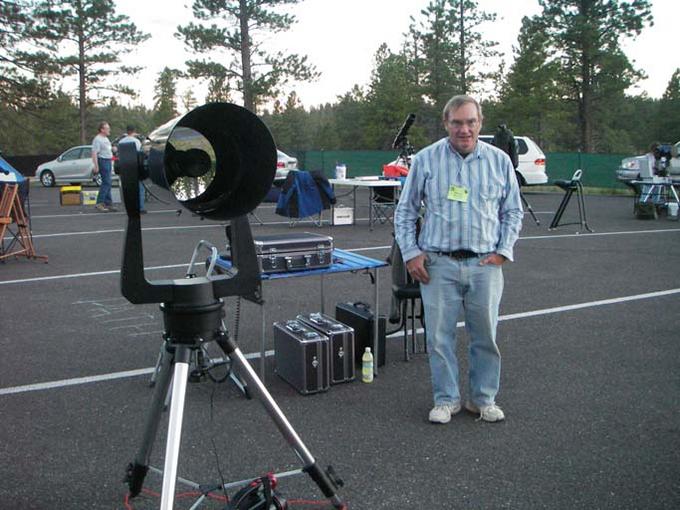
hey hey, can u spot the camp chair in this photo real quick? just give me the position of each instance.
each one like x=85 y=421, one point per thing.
x=304 y=195
x=383 y=202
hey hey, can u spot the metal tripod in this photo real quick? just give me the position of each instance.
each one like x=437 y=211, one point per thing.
x=571 y=186
x=188 y=326
x=202 y=363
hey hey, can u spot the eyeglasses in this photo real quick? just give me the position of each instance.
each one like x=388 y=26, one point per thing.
x=459 y=124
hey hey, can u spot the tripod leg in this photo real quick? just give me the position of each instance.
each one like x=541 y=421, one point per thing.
x=157 y=368
x=560 y=209
x=583 y=205
x=179 y=387
x=322 y=479
x=528 y=206
x=137 y=470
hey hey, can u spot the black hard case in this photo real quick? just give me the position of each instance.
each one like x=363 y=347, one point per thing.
x=341 y=338
x=359 y=317
x=302 y=356
x=293 y=252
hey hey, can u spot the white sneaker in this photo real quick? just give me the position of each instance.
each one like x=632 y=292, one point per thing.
x=442 y=413
x=490 y=413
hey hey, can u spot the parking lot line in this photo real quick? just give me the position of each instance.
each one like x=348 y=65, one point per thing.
x=371 y=248
x=76 y=381
x=514 y=316
x=79 y=275
x=83 y=214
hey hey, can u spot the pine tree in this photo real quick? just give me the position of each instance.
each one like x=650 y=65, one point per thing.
x=453 y=56
x=241 y=58
x=189 y=101
x=165 y=96
x=669 y=111
x=391 y=96
x=22 y=85
x=586 y=35
x=530 y=94
x=87 y=38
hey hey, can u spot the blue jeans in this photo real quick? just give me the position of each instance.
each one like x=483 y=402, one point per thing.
x=455 y=285
x=104 y=195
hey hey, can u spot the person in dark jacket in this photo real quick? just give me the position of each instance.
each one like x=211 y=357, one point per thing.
x=504 y=139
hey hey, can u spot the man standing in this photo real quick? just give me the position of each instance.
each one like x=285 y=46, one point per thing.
x=131 y=137
x=473 y=216
x=101 y=157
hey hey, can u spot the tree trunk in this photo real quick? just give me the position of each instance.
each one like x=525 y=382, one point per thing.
x=463 y=77
x=585 y=103
x=82 y=92
x=248 y=96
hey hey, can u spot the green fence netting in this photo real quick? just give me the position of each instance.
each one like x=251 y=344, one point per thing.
x=599 y=170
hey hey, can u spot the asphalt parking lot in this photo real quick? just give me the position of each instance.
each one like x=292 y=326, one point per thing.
x=590 y=382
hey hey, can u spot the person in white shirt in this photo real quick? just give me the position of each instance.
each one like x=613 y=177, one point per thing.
x=102 y=157
x=131 y=137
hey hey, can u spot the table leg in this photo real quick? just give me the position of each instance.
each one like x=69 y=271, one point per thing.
x=323 y=300
x=332 y=205
x=376 y=343
x=263 y=343
x=370 y=209
x=354 y=205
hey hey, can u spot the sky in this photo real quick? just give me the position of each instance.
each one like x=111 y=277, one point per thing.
x=340 y=37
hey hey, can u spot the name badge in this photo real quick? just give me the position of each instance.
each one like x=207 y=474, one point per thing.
x=458 y=194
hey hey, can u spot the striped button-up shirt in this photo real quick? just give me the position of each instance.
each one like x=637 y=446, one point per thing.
x=488 y=221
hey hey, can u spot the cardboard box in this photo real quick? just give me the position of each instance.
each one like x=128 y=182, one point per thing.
x=343 y=215
x=89 y=197
x=70 y=195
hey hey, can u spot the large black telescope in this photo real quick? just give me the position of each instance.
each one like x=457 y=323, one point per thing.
x=218 y=161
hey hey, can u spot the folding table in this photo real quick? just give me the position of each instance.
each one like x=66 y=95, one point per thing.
x=365 y=183
x=342 y=262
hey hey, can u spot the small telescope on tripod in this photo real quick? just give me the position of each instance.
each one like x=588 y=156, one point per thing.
x=218 y=161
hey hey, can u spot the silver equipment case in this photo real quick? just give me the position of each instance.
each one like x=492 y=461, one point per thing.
x=302 y=356
x=278 y=253
x=341 y=338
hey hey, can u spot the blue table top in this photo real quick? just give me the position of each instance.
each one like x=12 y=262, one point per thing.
x=343 y=261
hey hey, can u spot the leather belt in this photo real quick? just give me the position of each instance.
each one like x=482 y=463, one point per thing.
x=458 y=254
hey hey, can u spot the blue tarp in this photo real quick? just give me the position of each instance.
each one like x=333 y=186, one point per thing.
x=9 y=174
x=9 y=171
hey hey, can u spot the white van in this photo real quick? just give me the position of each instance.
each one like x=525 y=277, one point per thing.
x=531 y=160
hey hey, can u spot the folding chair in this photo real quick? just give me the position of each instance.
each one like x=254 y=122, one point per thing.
x=405 y=297
x=304 y=196
x=383 y=202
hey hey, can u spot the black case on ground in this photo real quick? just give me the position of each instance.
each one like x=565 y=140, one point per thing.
x=302 y=356
x=359 y=317
x=341 y=338
x=278 y=253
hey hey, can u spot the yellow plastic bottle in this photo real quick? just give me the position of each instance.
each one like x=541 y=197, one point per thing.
x=367 y=366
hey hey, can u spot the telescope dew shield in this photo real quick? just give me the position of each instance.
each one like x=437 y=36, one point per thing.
x=218 y=161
